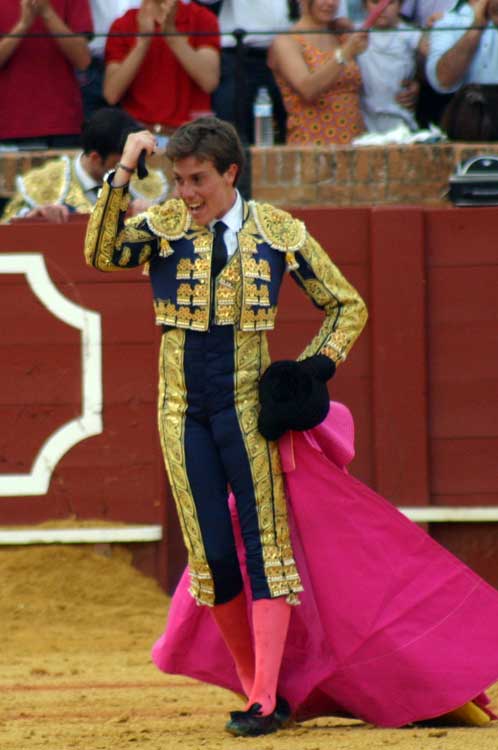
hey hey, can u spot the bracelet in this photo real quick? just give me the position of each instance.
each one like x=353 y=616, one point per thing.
x=119 y=165
x=339 y=57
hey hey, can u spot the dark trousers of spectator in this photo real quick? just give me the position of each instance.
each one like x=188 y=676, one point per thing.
x=430 y=105
x=91 y=84
x=241 y=76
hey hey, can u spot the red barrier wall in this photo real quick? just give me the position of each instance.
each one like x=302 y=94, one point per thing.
x=422 y=382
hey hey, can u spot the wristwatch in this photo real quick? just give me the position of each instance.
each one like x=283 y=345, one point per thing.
x=339 y=57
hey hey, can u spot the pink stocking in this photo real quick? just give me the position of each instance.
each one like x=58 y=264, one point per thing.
x=233 y=623
x=270 y=622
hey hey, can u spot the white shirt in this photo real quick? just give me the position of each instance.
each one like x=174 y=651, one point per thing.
x=104 y=12
x=233 y=218
x=256 y=15
x=419 y=11
x=446 y=33
x=86 y=181
x=389 y=59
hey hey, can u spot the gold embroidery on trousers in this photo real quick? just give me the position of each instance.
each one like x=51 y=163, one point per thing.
x=252 y=358
x=172 y=407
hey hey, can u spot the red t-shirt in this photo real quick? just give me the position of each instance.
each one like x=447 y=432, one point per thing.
x=162 y=91
x=39 y=91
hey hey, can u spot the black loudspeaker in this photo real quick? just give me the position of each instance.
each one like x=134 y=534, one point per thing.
x=475 y=182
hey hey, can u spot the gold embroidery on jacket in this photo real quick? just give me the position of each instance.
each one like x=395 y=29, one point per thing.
x=201 y=268
x=168 y=313
x=100 y=237
x=169 y=220
x=228 y=293
x=257 y=269
x=345 y=310
x=278 y=228
x=165 y=248
x=259 y=320
x=144 y=254
x=257 y=295
x=125 y=256
x=184 y=268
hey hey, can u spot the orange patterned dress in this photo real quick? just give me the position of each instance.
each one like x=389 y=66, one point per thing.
x=334 y=117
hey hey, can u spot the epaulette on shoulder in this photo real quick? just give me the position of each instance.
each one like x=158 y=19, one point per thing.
x=281 y=230
x=169 y=220
x=49 y=183
x=154 y=187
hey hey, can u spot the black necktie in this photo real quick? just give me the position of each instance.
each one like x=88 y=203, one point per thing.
x=219 y=257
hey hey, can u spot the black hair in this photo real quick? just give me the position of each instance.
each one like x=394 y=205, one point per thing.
x=106 y=131
x=472 y=114
x=208 y=139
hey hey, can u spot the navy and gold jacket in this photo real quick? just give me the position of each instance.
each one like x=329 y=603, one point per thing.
x=245 y=293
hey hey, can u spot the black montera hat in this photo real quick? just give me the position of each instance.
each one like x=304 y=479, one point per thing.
x=294 y=395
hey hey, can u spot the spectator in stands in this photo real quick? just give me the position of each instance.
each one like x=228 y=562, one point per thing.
x=425 y=13
x=472 y=114
x=319 y=78
x=464 y=47
x=233 y=99
x=163 y=81
x=91 y=81
x=40 y=102
x=388 y=68
x=63 y=186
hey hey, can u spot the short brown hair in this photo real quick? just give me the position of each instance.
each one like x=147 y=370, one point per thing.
x=208 y=139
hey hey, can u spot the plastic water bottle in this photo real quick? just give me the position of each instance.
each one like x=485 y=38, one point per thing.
x=263 y=118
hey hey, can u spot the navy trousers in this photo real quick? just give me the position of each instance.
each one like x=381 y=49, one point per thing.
x=208 y=425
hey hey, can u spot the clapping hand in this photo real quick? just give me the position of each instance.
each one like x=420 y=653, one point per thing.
x=168 y=11
x=162 y=13
x=28 y=13
x=355 y=44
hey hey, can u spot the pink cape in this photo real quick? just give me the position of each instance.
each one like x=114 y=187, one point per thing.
x=391 y=629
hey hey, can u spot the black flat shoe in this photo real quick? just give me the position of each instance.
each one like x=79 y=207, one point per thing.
x=283 y=713
x=252 y=723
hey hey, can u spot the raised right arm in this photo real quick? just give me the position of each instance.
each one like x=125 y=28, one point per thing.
x=286 y=59
x=111 y=244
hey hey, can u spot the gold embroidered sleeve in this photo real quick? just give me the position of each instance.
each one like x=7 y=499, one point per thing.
x=13 y=208
x=111 y=244
x=345 y=311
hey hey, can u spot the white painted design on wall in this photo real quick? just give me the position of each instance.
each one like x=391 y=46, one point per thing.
x=89 y=423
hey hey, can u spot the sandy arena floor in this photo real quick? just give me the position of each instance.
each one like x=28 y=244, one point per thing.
x=76 y=629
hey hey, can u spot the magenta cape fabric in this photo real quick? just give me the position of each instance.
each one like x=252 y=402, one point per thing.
x=392 y=628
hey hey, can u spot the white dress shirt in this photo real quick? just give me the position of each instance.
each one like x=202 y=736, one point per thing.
x=419 y=11
x=88 y=184
x=446 y=33
x=233 y=218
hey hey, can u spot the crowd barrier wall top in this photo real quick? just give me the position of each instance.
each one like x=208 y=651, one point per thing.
x=321 y=176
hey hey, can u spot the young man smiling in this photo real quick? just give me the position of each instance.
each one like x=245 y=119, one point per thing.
x=216 y=264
